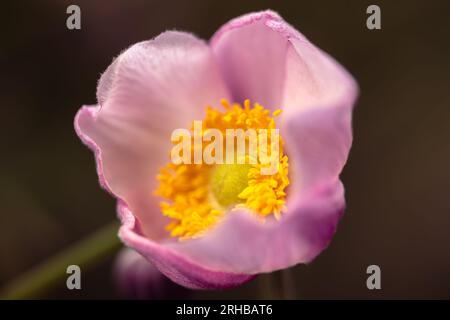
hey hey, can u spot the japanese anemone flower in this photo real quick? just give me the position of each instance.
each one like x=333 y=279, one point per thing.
x=202 y=231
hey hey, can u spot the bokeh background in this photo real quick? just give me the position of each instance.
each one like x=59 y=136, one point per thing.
x=397 y=178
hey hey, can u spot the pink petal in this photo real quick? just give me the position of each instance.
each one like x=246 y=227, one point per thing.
x=185 y=272
x=252 y=58
x=149 y=90
x=319 y=95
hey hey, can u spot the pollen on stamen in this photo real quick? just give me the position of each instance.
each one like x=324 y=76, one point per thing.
x=195 y=199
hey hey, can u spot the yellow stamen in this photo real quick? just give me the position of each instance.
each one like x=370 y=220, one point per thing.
x=198 y=195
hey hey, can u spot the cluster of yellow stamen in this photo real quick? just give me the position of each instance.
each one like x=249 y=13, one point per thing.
x=197 y=195
x=265 y=194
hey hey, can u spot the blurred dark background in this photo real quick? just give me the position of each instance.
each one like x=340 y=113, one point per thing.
x=397 y=178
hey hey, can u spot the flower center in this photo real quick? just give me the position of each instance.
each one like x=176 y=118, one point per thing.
x=197 y=195
x=228 y=181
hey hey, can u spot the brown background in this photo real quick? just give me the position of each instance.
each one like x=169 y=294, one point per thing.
x=397 y=177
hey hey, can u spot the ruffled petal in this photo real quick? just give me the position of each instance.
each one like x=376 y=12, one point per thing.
x=151 y=89
x=177 y=267
x=318 y=99
x=252 y=58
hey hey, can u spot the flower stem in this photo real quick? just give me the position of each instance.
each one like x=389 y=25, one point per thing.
x=279 y=285
x=288 y=283
x=85 y=253
x=267 y=288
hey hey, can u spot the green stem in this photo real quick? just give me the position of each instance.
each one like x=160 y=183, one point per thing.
x=39 y=280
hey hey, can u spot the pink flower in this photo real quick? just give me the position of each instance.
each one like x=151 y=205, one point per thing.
x=159 y=85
